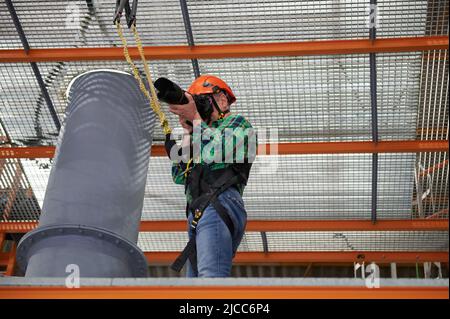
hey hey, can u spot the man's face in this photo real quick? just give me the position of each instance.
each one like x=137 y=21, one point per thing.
x=222 y=102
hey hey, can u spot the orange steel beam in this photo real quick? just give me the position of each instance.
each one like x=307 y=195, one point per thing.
x=272 y=149
x=295 y=257
x=433 y=168
x=2 y=239
x=4 y=258
x=277 y=225
x=356 y=147
x=291 y=257
x=313 y=225
x=11 y=261
x=443 y=213
x=248 y=50
x=17 y=227
x=223 y=292
x=13 y=193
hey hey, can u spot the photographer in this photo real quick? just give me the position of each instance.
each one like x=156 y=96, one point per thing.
x=214 y=183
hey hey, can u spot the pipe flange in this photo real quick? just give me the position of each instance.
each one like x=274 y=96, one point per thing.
x=139 y=261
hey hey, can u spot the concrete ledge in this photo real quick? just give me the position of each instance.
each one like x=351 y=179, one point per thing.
x=231 y=282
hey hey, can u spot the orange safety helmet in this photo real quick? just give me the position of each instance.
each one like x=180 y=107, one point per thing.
x=210 y=84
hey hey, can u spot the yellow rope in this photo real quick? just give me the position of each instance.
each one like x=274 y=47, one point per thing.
x=152 y=97
x=188 y=168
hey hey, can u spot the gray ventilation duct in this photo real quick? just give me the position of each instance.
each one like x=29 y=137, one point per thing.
x=93 y=202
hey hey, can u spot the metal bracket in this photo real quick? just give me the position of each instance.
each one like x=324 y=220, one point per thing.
x=130 y=13
x=100 y=238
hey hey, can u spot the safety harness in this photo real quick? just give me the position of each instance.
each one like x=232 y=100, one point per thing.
x=205 y=186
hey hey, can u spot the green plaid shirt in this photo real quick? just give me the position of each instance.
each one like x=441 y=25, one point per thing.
x=230 y=135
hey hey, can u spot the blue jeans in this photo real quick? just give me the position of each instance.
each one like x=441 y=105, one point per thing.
x=216 y=247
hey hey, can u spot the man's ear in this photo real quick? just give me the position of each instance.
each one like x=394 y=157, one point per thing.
x=224 y=102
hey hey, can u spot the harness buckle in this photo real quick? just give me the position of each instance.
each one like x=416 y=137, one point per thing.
x=197 y=215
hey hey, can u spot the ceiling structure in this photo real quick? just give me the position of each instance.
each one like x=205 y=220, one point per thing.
x=294 y=99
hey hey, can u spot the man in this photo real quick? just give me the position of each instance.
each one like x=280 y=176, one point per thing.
x=214 y=183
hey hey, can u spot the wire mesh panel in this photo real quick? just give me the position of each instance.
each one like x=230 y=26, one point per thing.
x=37 y=172
x=176 y=241
x=164 y=200
x=89 y=23
x=8 y=34
x=431 y=169
x=395 y=185
x=58 y=76
x=358 y=241
x=23 y=110
x=397 y=95
x=294 y=187
x=80 y=23
x=307 y=99
x=431 y=186
x=302 y=187
x=313 y=241
x=17 y=201
x=287 y=20
x=25 y=113
x=437 y=17
x=313 y=99
x=17 y=198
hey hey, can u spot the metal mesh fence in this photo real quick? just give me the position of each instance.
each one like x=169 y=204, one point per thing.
x=274 y=21
x=25 y=114
x=79 y=23
x=312 y=99
x=297 y=187
x=358 y=241
x=8 y=34
x=431 y=169
x=313 y=241
x=17 y=198
x=302 y=187
x=307 y=99
x=88 y=23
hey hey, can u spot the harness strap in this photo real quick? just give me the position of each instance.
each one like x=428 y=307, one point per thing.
x=190 y=251
x=211 y=198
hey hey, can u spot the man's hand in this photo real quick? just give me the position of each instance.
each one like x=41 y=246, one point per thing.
x=186 y=111
x=186 y=127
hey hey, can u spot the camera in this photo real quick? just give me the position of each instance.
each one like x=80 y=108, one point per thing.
x=171 y=93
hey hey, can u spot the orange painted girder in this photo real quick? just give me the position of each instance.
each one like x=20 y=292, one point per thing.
x=11 y=261
x=277 y=225
x=272 y=149
x=295 y=257
x=434 y=168
x=314 y=225
x=17 y=227
x=223 y=292
x=328 y=47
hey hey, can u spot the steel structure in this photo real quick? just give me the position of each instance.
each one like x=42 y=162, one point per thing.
x=230 y=50
x=230 y=289
x=383 y=212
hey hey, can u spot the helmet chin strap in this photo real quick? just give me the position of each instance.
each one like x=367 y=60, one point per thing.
x=221 y=113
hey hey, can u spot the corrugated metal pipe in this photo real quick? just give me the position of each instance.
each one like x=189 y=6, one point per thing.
x=94 y=198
